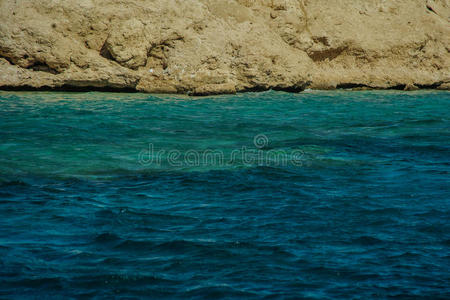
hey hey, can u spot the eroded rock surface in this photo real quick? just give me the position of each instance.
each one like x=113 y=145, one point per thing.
x=224 y=46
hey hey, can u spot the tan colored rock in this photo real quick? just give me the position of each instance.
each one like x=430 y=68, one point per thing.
x=410 y=87
x=128 y=44
x=224 y=46
x=214 y=89
x=444 y=86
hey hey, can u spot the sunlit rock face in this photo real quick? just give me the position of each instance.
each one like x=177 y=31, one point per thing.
x=224 y=46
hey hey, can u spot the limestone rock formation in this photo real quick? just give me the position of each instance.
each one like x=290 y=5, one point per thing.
x=224 y=46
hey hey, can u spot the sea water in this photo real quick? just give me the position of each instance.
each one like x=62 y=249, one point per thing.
x=318 y=195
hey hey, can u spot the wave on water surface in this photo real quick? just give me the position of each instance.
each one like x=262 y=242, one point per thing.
x=315 y=195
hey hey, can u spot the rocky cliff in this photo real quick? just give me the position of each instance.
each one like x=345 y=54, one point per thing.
x=224 y=46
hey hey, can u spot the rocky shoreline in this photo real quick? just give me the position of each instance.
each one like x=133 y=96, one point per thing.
x=204 y=47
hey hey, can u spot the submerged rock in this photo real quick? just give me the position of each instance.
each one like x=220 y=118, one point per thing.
x=224 y=46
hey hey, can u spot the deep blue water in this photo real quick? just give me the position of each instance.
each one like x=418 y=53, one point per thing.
x=313 y=195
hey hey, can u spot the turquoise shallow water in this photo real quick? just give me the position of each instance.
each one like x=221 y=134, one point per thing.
x=313 y=195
